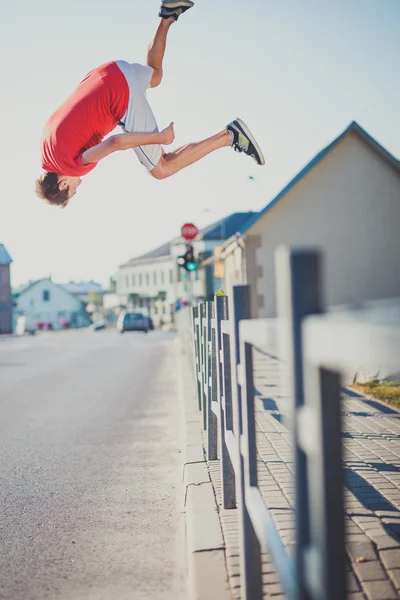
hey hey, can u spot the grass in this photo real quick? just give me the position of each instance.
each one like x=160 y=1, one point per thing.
x=387 y=392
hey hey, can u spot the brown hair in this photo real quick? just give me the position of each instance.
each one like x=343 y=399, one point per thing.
x=47 y=189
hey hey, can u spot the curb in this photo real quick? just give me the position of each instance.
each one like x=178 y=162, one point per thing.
x=208 y=578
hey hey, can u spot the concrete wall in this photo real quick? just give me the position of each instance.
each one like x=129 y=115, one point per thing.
x=349 y=206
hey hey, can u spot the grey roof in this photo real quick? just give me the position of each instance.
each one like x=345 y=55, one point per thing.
x=5 y=258
x=220 y=230
x=23 y=289
x=156 y=253
x=81 y=287
x=352 y=128
x=160 y=252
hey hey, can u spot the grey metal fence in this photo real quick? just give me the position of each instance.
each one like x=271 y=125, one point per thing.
x=314 y=347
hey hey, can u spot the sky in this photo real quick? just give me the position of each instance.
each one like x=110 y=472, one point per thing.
x=296 y=72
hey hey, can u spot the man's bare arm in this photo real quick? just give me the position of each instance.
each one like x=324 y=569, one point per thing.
x=124 y=141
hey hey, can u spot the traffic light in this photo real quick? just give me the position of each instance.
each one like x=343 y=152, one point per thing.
x=187 y=260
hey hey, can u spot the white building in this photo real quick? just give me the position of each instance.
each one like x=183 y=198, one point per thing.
x=154 y=281
x=49 y=306
x=147 y=282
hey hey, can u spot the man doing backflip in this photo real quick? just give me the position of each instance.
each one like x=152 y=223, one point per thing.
x=115 y=94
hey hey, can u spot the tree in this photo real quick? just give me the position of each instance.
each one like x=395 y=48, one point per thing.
x=95 y=298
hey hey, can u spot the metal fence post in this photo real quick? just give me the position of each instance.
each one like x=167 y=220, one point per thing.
x=252 y=546
x=229 y=497
x=202 y=315
x=211 y=417
x=326 y=480
x=206 y=344
x=298 y=295
x=195 y=330
x=250 y=551
x=224 y=375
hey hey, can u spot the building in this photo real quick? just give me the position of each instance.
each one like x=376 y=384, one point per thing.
x=346 y=202
x=154 y=281
x=83 y=289
x=49 y=306
x=5 y=292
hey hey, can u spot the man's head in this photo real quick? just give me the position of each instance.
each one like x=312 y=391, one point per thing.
x=57 y=189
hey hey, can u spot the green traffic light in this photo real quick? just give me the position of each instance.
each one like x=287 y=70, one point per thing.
x=191 y=266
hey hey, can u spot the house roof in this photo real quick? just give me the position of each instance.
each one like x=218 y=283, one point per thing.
x=5 y=258
x=156 y=253
x=352 y=128
x=24 y=288
x=81 y=287
x=220 y=230
x=31 y=284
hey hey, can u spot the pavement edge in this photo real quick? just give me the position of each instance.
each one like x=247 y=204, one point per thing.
x=208 y=577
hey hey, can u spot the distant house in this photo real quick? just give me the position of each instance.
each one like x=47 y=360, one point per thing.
x=82 y=289
x=155 y=282
x=5 y=291
x=346 y=202
x=50 y=306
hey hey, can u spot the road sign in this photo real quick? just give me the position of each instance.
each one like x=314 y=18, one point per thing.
x=189 y=231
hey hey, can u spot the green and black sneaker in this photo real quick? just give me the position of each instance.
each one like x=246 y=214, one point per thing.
x=244 y=141
x=174 y=8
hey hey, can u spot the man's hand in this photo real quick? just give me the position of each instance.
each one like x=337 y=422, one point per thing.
x=167 y=135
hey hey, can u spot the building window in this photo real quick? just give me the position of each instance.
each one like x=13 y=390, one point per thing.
x=126 y=281
x=162 y=276
x=46 y=296
x=171 y=276
x=147 y=279
x=133 y=280
x=155 y=277
x=140 y=279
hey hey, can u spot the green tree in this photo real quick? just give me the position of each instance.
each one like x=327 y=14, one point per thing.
x=95 y=298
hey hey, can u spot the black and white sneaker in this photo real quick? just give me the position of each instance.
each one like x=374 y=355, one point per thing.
x=244 y=141
x=174 y=8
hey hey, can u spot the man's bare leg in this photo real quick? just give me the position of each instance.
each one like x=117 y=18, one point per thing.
x=173 y=162
x=156 y=51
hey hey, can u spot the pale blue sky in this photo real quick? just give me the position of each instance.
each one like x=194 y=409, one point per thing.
x=297 y=72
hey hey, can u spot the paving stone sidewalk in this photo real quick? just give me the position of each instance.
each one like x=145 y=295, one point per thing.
x=371 y=439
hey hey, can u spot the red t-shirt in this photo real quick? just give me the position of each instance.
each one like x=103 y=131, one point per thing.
x=85 y=118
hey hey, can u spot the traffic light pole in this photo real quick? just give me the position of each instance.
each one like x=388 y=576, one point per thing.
x=190 y=290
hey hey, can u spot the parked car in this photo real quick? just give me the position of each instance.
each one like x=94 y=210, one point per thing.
x=133 y=321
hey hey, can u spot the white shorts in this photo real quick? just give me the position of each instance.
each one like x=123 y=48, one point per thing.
x=139 y=116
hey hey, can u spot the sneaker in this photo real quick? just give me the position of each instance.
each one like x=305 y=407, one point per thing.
x=174 y=8
x=244 y=141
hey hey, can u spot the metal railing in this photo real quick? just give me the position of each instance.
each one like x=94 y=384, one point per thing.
x=314 y=347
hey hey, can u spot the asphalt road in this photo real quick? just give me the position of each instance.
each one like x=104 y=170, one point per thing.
x=90 y=467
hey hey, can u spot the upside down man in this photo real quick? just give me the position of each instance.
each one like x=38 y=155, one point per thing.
x=115 y=94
